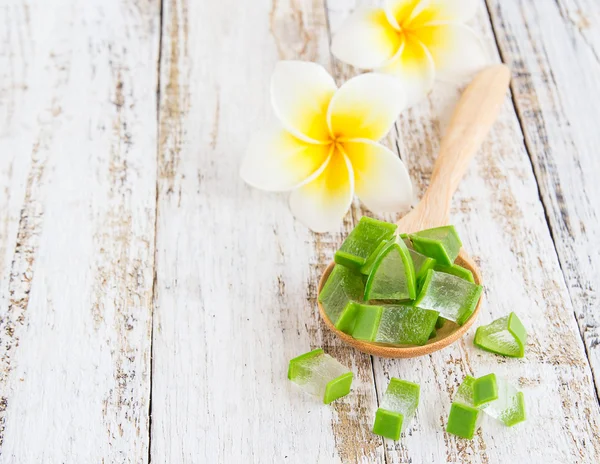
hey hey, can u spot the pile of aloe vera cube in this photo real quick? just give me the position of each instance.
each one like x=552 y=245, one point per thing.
x=397 y=289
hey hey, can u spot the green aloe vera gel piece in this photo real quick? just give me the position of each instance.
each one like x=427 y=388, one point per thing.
x=320 y=375
x=454 y=298
x=509 y=407
x=439 y=243
x=463 y=420
x=393 y=275
x=456 y=270
x=433 y=334
x=485 y=389
x=364 y=243
x=367 y=322
x=440 y=322
x=341 y=289
x=506 y=336
x=464 y=394
x=405 y=325
x=421 y=264
x=398 y=406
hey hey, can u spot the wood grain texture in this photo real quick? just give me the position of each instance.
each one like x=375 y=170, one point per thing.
x=499 y=215
x=78 y=170
x=82 y=160
x=554 y=48
x=236 y=280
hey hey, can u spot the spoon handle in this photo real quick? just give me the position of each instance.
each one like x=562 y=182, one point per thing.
x=471 y=121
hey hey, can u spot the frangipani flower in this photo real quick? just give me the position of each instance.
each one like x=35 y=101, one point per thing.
x=417 y=41
x=325 y=147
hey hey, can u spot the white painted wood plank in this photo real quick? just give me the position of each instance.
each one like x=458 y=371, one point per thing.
x=78 y=148
x=501 y=220
x=236 y=274
x=554 y=48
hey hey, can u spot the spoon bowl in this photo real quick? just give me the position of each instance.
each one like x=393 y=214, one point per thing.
x=449 y=333
x=471 y=121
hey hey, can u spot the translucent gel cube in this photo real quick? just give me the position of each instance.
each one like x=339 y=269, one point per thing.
x=439 y=243
x=392 y=276
x=320 y=375
x=397 y=408
x=454 y=298
x=341 y=289
x=364 y=242
x=509 y=408
x=464 y=418
x=505 y=336
x=405 y=325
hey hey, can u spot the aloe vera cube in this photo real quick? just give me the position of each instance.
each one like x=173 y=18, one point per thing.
x=363 y=242
x=439 y=243
x=341 y=289
x=393 y=275
x=509 y=407
x=398 y=406
x=440 y=322
x=320 y=375
x=367 y=322
x=506 y=336
x=405 y=325
x=456 y=270
x=454 y=298
x=463 y=420
x=485 y=389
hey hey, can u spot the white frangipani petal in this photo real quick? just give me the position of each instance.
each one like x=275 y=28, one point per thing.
x=366 y=39
x=277 y=161
x=366 y=107
x=456 y=50
x=300 y=94
x=414 y=66
x=381 y=180
x=399 y=11
x=322 y=203
x=431 y=11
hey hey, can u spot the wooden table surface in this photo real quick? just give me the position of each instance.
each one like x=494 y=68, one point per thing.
x=150 y=300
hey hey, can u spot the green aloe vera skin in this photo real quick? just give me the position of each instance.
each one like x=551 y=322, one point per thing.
x=320 y=375
x=405 y=325
x=485 y=389
x=440 y=243
x=342 y=288
x=364 y=243
x=360 y=321
x=505 y=336
x=463 y=420
x=398 y=406
x=393 y=275
x=454 y=298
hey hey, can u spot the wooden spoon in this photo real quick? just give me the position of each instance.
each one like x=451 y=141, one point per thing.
x=473 y=117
